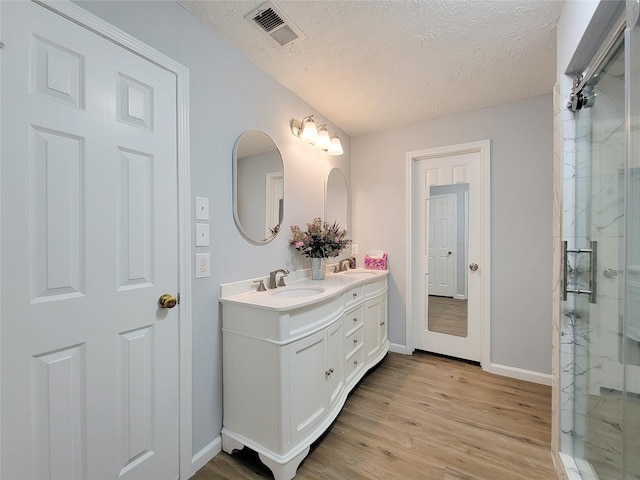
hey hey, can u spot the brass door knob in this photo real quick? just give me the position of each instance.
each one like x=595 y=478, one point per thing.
x=167 y=301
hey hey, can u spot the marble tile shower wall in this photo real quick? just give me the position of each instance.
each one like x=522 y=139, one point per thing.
x=567 y=317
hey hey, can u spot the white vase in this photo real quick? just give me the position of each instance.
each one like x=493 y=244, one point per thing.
x=317 y=268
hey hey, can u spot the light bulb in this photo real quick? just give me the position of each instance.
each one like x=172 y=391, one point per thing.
x=309 y=130
x=324 y=141
x=336 y=147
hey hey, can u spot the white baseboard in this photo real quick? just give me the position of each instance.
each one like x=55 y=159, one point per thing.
x=201 y=458
x=519 y=373
x=397 y=348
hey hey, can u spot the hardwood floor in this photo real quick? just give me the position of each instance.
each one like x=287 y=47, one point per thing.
x=424 y=417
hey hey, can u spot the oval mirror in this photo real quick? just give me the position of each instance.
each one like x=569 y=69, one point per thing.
x=335 y=198
x=258 y=186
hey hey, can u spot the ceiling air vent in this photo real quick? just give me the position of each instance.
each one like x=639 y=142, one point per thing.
x=270 y=20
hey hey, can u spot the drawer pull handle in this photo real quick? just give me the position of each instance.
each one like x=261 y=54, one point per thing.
x=355 y=341
x=329 y=372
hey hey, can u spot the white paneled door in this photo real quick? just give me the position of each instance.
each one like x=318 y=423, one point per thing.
x=89 y=361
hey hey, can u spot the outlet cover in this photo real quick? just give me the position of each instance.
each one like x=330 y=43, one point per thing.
x=354 y=248
x=202 y=234
x=203 y=265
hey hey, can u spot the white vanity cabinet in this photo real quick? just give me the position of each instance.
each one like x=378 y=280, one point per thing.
x=316 y=377
x=289 y=362
x=375 y=325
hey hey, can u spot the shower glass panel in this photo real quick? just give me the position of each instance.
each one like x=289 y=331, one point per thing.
x=605 y=343
x=631 y=332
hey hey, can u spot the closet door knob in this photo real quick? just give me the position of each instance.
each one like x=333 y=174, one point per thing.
x=473 y=267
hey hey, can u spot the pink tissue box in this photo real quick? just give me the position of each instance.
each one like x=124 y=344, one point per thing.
x=375 y=263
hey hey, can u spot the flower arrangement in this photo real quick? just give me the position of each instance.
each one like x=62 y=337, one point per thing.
x=321 y=240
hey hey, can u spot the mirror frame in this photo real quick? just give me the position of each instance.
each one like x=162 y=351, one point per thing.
x=346 y=194
x=235 y=188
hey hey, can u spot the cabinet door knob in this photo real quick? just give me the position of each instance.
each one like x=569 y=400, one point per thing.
x=382 y=323
x=355 y=294
x=355 y=341
x=355 y=362
x=355 y=319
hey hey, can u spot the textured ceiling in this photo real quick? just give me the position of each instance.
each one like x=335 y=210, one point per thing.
x=376 y=64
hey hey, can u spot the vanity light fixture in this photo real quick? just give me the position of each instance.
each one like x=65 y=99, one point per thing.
x=307 y=131
x=336 y=147
x=324 y=140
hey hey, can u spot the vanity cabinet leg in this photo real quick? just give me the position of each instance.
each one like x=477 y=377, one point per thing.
x=284 y=471
x=230 y=445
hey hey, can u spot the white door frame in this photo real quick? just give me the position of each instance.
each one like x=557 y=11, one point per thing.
x=117 y=36
x=484 y=149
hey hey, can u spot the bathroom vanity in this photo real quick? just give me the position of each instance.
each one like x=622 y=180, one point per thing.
x=291 y=355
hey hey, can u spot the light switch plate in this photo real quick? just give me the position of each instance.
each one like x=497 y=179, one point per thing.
x=202 y=234
x=354 y=248
x=203 y=265
x=202 y=208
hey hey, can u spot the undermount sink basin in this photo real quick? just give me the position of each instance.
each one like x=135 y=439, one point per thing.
x=298 y=292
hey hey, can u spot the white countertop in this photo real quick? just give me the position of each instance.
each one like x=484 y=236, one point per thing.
x=273 y=299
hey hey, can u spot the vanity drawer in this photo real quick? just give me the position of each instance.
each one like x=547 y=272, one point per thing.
x=353 y=296
x=353 y=319
x=354 y=340
x=354 y=364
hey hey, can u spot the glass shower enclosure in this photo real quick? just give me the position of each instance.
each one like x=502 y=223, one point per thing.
x=600 y=348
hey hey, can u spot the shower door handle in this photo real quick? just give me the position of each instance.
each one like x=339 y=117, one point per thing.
x=593 y=258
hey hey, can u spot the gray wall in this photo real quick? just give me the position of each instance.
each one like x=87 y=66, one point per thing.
x=521 y=218
x=228 y=95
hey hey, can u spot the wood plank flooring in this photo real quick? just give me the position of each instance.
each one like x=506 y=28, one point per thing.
x=424 y=417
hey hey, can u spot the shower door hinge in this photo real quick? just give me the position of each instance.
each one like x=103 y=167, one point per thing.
x=592 y=253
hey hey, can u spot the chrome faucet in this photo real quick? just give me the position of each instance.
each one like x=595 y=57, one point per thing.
x=272 y=278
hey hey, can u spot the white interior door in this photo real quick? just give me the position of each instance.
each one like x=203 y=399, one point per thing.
x=439 y=169
x=441 y=244
x=89 y=362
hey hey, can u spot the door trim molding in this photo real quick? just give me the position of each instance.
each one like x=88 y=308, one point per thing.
x=482 y=147
x=99 y=26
